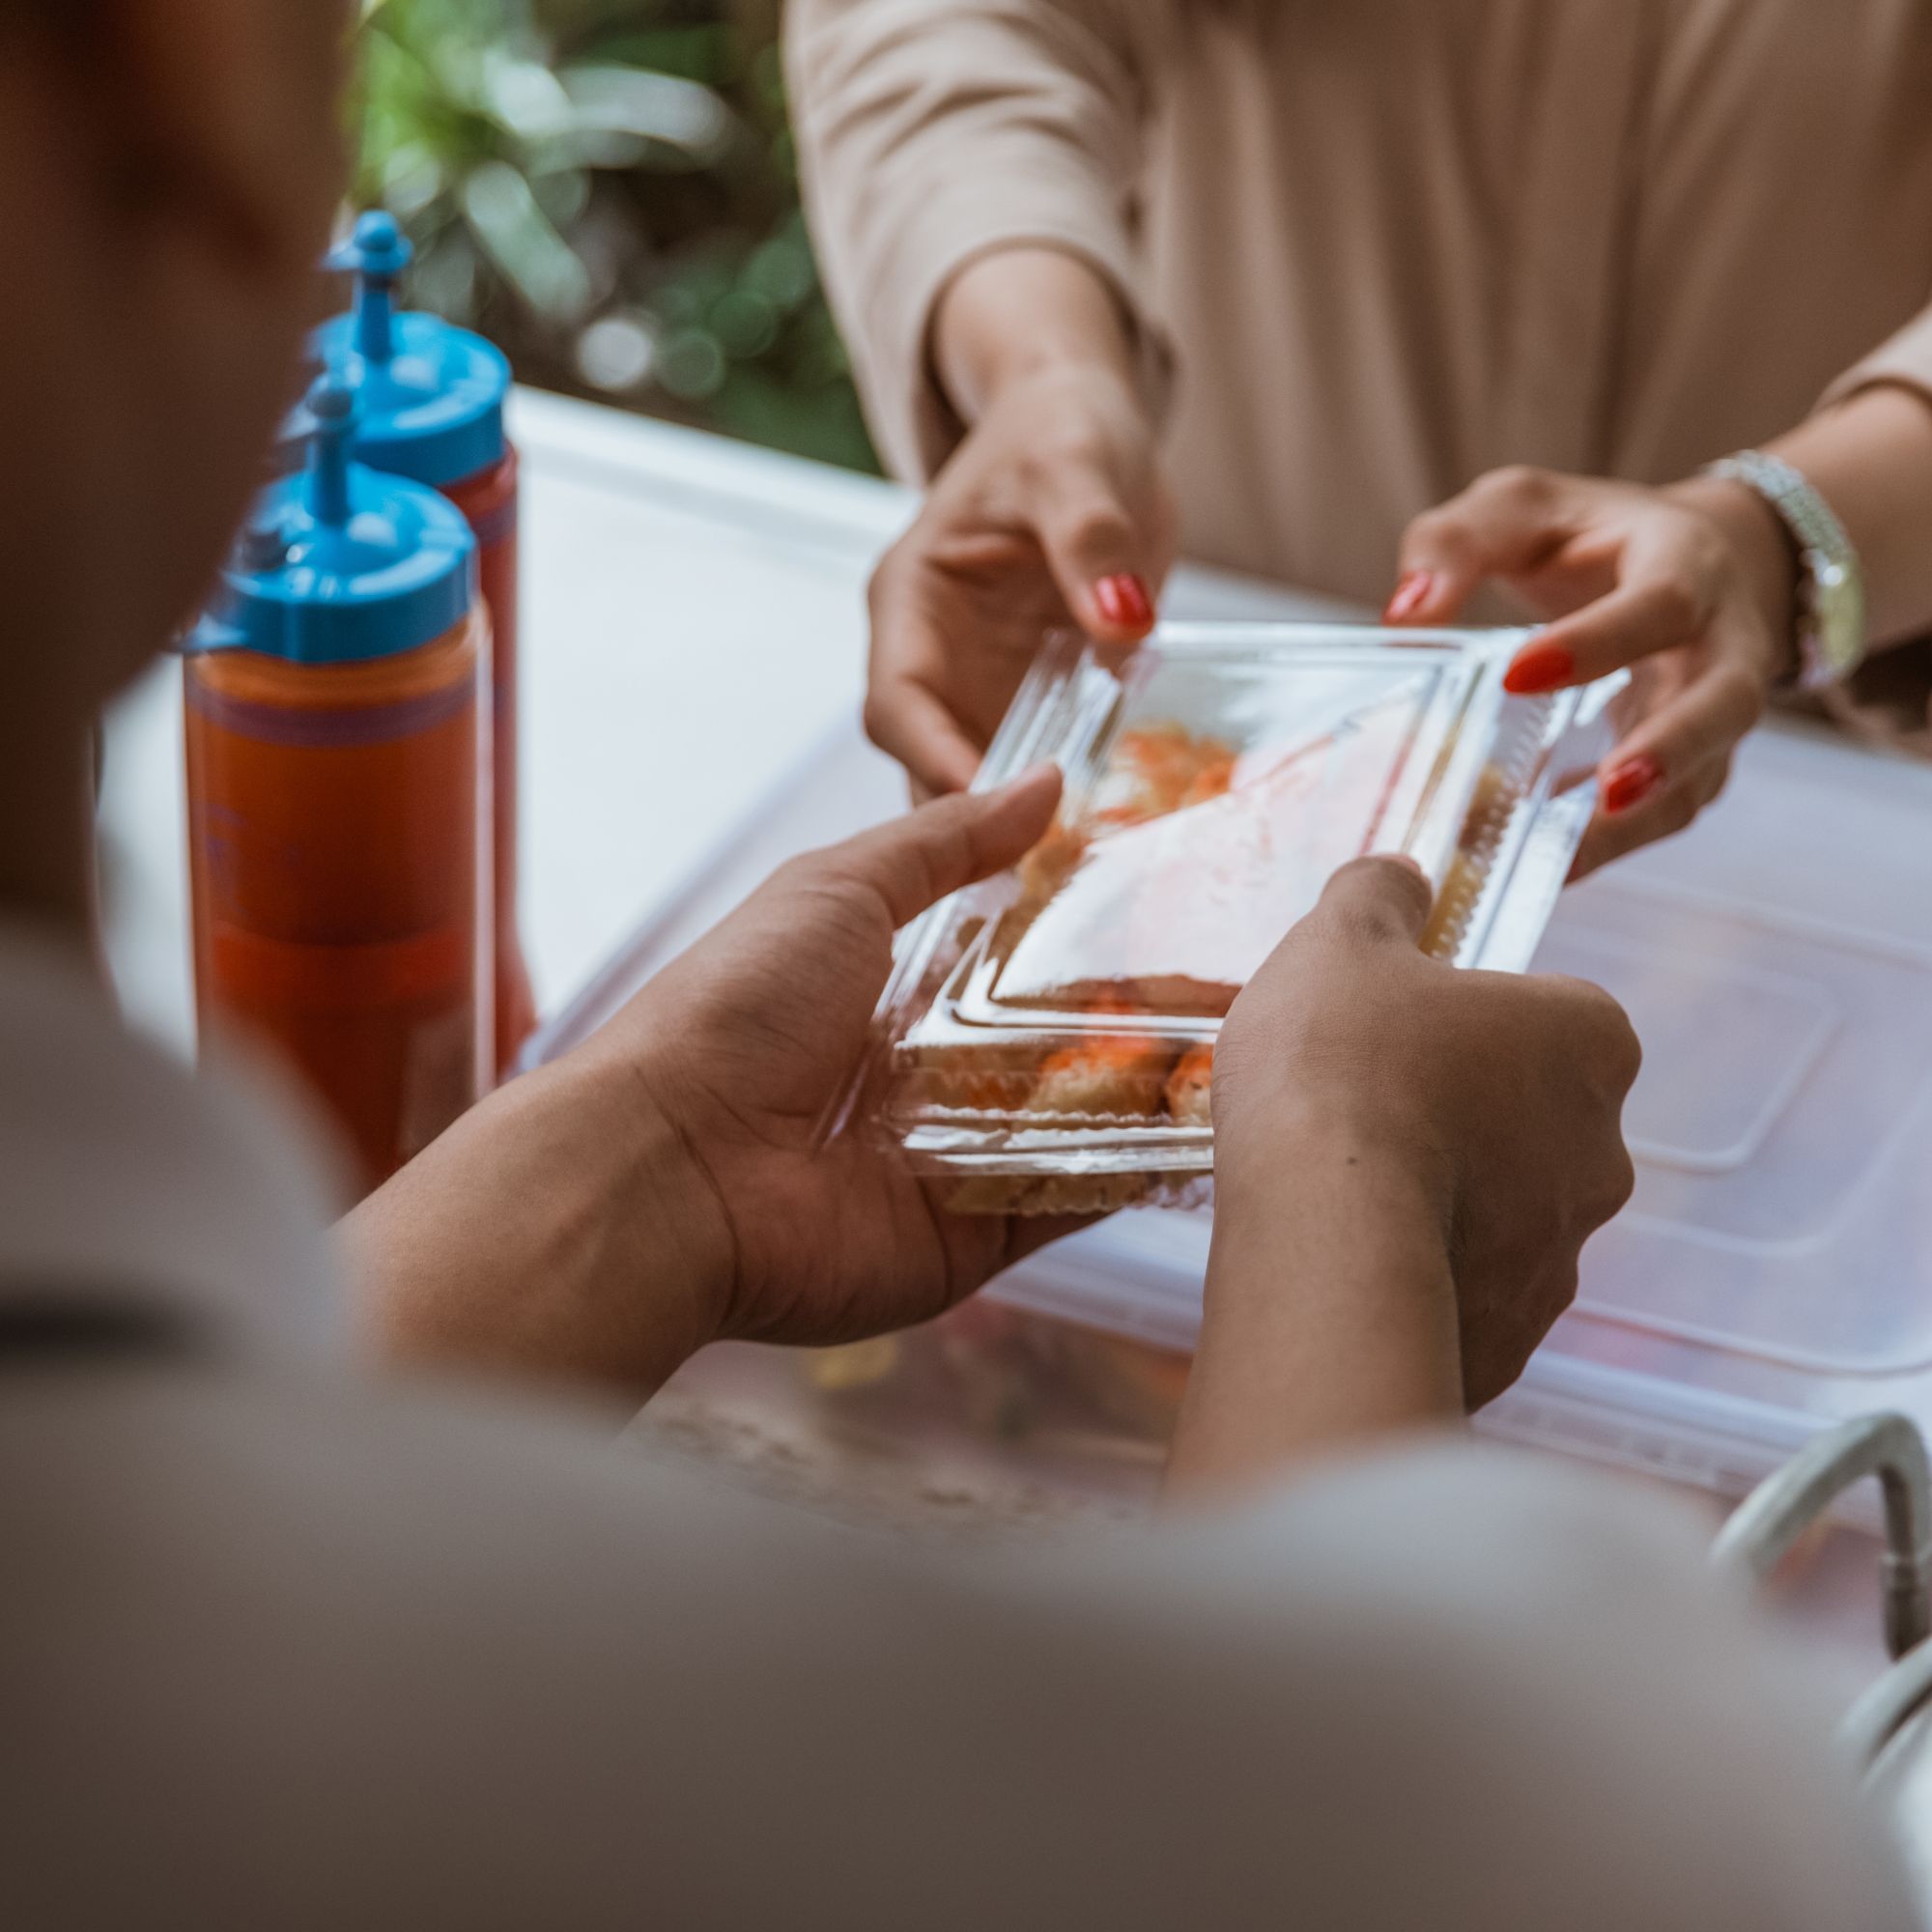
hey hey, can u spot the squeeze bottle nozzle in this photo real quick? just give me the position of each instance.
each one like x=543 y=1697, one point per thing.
x=377 y=256
x=333 y=406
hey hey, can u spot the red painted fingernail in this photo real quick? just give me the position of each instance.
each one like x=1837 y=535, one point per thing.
x=1410 y=594
x=1538 y=669
x=1124 y=602
x=1630 y=784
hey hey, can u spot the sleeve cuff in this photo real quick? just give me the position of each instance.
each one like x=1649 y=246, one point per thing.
x=1907 y=359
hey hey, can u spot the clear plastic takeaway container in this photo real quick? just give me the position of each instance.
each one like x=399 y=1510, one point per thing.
x=1772 y=1276
x=1048 y=1036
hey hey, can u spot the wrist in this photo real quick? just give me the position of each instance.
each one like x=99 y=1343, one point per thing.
x=1335 y=1239
x=646 y=1174
x=1019 y=317
x=1330 y=1317
x=562 y=1230
x=1289 y=1159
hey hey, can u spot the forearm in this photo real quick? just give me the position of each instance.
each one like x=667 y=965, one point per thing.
x=1330 y=1315
x=557 y=1232
x=1870 y=458
x=1021 y=312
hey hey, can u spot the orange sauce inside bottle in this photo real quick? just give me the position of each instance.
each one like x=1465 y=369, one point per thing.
x=489 y=502
x=335 y=811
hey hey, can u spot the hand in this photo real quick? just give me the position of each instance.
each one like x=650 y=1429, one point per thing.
x=663 y=1187
x=1462 y=1119
x=1051 y=513
x=745 y=1043
x=1692 y=587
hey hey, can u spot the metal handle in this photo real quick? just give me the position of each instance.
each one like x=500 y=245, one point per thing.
x=1769 y=1522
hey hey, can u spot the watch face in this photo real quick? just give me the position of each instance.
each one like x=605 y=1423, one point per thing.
x=1837 y=616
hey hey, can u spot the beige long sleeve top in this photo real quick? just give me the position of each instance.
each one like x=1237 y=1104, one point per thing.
x=282 y=1645
x=1382 y=245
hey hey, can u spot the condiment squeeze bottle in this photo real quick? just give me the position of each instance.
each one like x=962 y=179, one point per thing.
x=337 y=722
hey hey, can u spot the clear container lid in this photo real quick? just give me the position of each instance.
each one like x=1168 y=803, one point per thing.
x=1060 y=1022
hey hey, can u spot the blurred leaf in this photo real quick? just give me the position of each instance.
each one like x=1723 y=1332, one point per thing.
x=609 y=187
x=521 y=240
x=650 y=107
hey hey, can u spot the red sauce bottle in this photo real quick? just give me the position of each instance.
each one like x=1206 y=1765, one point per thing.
x=338 y=777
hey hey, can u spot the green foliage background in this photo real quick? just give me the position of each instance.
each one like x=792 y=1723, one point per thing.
x=607 y=188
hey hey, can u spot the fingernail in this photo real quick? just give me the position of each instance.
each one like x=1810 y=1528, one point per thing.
x=1538 y=669
x=1124 y=602
x=1410 y=594
x=1630 y=784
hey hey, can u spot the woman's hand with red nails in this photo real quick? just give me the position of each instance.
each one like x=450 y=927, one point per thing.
x=1691 y=587
x=1052 y=513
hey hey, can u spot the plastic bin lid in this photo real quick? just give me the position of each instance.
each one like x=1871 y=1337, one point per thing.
x=341 y=564
x=432 y=394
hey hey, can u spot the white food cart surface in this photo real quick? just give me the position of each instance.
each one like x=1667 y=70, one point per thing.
x=694 y=662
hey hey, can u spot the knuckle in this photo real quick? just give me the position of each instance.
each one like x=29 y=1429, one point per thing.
x=1622 y=1181
x=1439 y=533
x=1095 y=526
x=1679 y=810
x=1559 y=1294
x=1520 y=485
x=1588 y=1001
x=1678 y=606
x=1562 y=1297
x=1058 y=455
x=806 y=871
x=880 y=718
x=1614 y=1035
x=1625 y=1051
x=1741 y=697
x=1359 y=896
x=1612 y=1048
x=885 y=591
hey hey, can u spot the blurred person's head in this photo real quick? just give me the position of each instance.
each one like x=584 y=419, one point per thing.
x=167 y=172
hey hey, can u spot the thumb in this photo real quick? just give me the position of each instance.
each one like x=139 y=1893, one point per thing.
x=1504 y=524
x=916 y=860
x=1384 y=901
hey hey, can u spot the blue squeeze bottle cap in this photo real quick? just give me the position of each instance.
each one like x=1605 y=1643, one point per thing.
x=432 y=394
x=340 y=563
